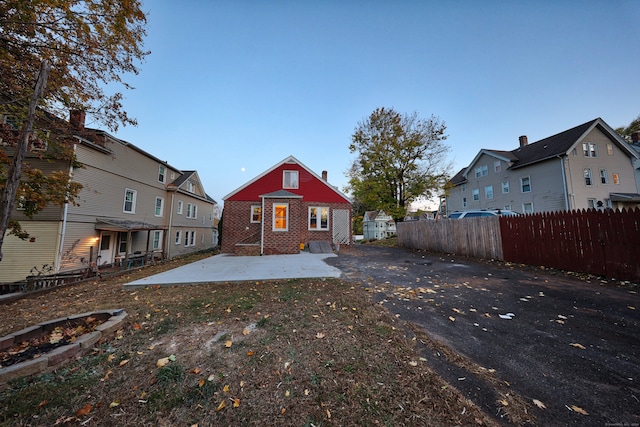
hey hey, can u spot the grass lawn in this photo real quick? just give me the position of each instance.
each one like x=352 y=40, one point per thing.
x=286 y=353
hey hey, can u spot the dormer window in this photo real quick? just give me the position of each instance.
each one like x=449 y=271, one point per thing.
x=290 y=179
x=190 y=187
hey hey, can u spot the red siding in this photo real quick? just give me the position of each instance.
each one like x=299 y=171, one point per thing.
x=311 y=188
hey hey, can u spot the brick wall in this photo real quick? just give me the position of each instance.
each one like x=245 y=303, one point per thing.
x=237 y=226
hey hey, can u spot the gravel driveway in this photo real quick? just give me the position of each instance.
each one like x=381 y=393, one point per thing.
x=565 y=350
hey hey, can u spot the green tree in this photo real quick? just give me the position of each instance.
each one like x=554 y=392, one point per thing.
x=400 y=157
x=626 y=132
x=57 y=56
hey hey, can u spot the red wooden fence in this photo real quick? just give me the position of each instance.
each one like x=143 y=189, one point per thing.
x=604 y=243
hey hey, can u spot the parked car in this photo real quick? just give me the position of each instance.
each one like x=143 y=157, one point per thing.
x=480 y=213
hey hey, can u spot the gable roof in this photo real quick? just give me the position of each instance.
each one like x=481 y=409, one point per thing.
x=553 y=146
x=288 y=160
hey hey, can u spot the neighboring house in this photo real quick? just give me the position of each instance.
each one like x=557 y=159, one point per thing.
x=421 y=216
x=635 y=144
x=588 y=166
x=283 y=208
x=377 y=225
x=132 y=205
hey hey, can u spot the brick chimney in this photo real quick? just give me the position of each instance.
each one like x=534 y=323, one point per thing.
x=523 y=140
x=635 y=138
x=324 y=175
x=76 y=118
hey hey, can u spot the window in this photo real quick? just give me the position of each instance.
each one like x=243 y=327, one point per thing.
x=129 y=201
x=190 y=187
x=162 y=173
x=290 y=179
x=318 y=218
x=159 y=206
x=482 y=171
x=587 y=177
x=527 y=208
x=525 y=184
x=610 y=149
x=603 y=176
x=464 y=202
x=607 y=203
x=256 y=213
x=476 y=194
x=12 y=121
x=192 y=211
x=157 y=238
x=280 y=217
x=122 y=243
x=180 y=205
x=505 y=187
x=497 y=166
x=463 y=187
x=616 y=178
x=507 y=207
x=189 y=238
x=178 y=239
x=591 y=203
x=589 y=149
x=488 y=191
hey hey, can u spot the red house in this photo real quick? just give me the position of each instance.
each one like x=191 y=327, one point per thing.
x=283 y=208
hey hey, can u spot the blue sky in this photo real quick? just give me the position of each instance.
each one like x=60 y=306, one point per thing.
x=233 y=87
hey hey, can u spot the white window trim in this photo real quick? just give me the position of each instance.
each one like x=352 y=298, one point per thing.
x=153 y=239
x=180 y=207
x=505 y=187
x=273 y=225
x=522 y=184
x=178 y=239
x=603 y=174
x=295 y=184
x=155 y=207
x=162 y=173
x=487 y=189
x=588 y=175
x=527 y=203
x=133 y=201
x=318 y=222
x=253 y=221
x=474 y=192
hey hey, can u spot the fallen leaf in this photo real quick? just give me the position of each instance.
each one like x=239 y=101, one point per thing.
x=246 y=331
x=241 y=383
x=283 y=410
x=172 y=358
x=250 y=353
x=137 y=326
x=226 y=388
x=539 y=404
x=84 y=411
x=220 y=406
x=576 y=345
x=228 y=344
x=124 y=362
x=43 y=403
x=106 y=377
x=319 y=335
x=236 y=402
x=630 y=307
x=413 y=363
x=287 y=393
x=114 y=404
x=162 y=362
x=453 y=319
x=201 y=382
x=579 y=410
x=195 y=371
x=111 y=357
x=211 y=377
x=504 y=402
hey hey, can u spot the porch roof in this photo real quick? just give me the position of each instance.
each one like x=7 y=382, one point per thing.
x=281 y=194
x=116 y=224
x=625 y=197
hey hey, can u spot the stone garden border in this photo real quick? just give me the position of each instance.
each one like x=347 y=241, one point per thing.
x=113 y=318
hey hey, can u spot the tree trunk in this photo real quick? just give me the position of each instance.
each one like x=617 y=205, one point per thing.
x=8 y=195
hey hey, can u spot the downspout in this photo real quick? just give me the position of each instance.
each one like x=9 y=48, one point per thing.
x=262 y=233
x=564 y=184
x=63 y=230
x=168 y=237
x=571 y=195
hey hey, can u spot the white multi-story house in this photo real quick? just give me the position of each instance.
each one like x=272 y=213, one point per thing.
x=588 y=166
x=377 y=225
x=132 y=206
